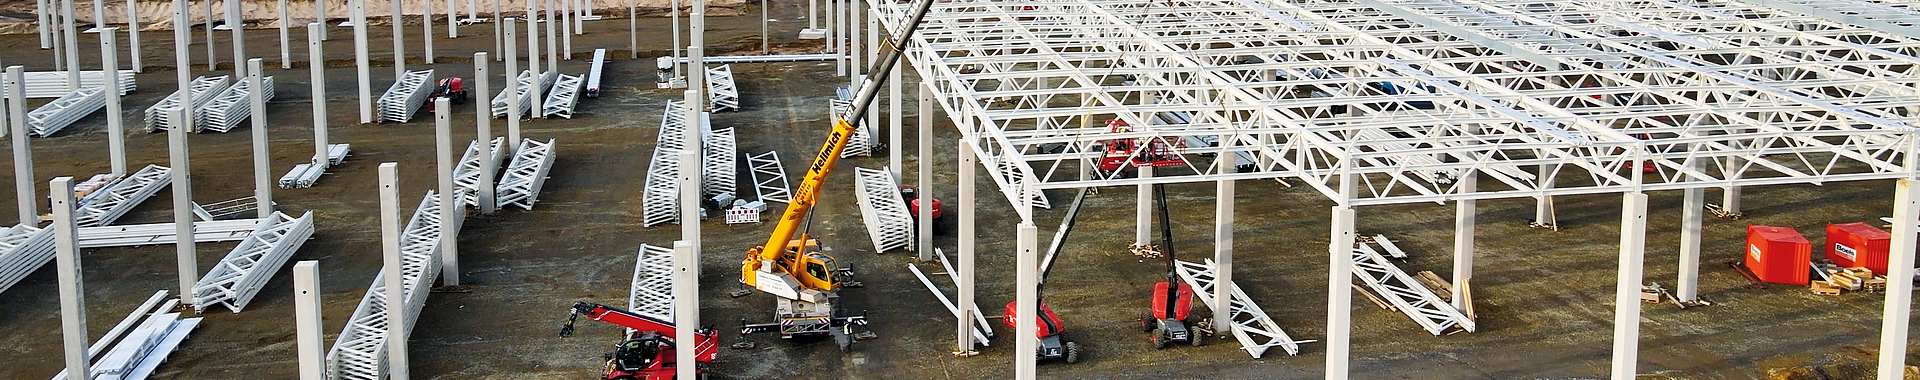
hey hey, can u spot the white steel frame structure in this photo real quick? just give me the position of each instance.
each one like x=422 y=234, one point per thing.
x=884 y=212
x=236 y=278
x=722 y=95
x=652 y=291
x=406 y=96
x=360 y=350
x=520 y=186
x=1255 y=331
x=103 y=206
x=54 y=116
x=719 y=165
x=232 y=105
x=159 y=117
x=769 y=178
x=560 y=101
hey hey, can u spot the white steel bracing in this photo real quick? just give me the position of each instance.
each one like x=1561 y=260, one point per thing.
x=721 y=94
x=525 y=92
x=1320 y=89
x=719 y=166
x=888 y=222
x=593 y=73
x=466 y=171
x=163 y=233
x=769 y=178
x=360 y=351
x=1256 y=331
x=236 y=278
x=979 y=337
x=861 y=144
x=57 y=115
x=53 y=84
x=204 y=89
x=652 y=291
x=560 y=101
x=304 y=175
x=1898 y=19
x=230 y=107
x=136 y=354
x=103 y=206
x=405 y=97
x=660 y=199
x=520 y=186
x=1407 y=295
x=23 y=249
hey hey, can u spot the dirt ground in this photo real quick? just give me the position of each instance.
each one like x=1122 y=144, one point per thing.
x=1545 y=295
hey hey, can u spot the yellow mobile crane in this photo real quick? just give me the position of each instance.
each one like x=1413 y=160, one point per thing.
x=806 y=281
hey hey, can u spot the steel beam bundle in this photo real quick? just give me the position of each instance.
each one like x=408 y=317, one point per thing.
x=405 y=97
x=525 y=92
x=303 y=175
x=560 y=101
x=719 y=166
x=1407 y=295
x=1251 y=326
x=52 y=117
x=660 y=199
x=23 y=249
x=889 y=224
x=593 y=73
x=230 y=107
x=53 y=84
x=525 y=174
x=140 y=342
x=135 y=235
x=102 y=207
x=861 y=144
x=729 y=59
x=204 y=89
x=239 y=276
x=360 y=351
x=652 y=291
x=769 y=178
x=721 y=93
x=466 y=171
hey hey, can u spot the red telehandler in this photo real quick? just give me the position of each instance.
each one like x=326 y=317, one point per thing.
x=648 y=351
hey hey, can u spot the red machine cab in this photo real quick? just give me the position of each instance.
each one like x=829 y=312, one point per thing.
x=1180 y=306
x=1049 y=323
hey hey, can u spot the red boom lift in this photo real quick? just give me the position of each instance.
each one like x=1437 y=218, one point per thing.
x=1140 y=151
x=648 y=351
x=1172 y=299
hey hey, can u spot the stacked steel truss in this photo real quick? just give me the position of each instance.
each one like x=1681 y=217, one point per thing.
x=57 y=115
x=103 y=206
x=560 y=101
x=23 y=249
x=230 y=107
x=360 y=351
x=1256 y=331
x=524 y=91
x=721 y=93
x=159 y=116
x=660 y=199
x=719 y=165
x=466 y=171
x=861 y=144
x=53 y=84
x=888 y=222
x=236 y=278
x=520 y=186
x=652 y=291
x=769 y=178
x=405 y=97
x=1405 y=294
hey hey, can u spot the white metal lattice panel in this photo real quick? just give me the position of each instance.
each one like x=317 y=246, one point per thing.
x=884 y=211
x=466 y=171
x=231 y=107
x=524 y=91
x=560 y=102
x=236 y=278
x=53 y=84
x=861 y=144
x=203 y=88
x=721 y=93
x=527 y=172
x=660 y=199
x=1409 y=296
x=769 y=178
x=652 y=291
x=406 y=96
x=719 y=165
x=1251 y=326
x=102 y=207
x=360 y=351
x=57 y=115
x=23 y=249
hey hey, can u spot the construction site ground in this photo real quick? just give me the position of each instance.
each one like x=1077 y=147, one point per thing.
x=1545 y=298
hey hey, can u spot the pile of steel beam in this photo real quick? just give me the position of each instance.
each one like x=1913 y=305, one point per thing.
x=660 y=198
x=240 y=275
x=230 y=107
x=520 y=186
x=1406 y=294
x=466 y=171
x=140 y=342
x=359 y=353
x=203 y=88
x=524 y=90
x=593 y=73
x=163 y=233
x=721 y=94
x=652 y=291
x=888 y=222
x=406 y=96
x=53 y=84
x=718 y=163
x=769 y=178
x=23 y=249
x=560 y=101
x=103 y=206
x=303 y=175
x=54 y=116
x=1250 y=325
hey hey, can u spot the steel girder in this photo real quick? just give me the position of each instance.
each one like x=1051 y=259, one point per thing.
x=721 y=93
x=651 y=293
x=660 y=199
x=1405 y=294
x=163 y=233
x=58 y=114
x=560 y=101
x=304 y=175
x=524 y=91
x=405 y=97
x=888 y=222
x=23 y=249
x=466 y=171
x=103 y=206
x=719 y=165
x=359 y=353
x=203 y=89
x=236 y=278
x=769 y=178
x=230 y=107
x=1256 y=331
x=520 y=186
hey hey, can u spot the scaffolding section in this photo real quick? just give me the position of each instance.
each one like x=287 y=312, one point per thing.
x=406 y=96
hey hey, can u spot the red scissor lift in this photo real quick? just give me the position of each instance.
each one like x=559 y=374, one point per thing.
x=1137 y=151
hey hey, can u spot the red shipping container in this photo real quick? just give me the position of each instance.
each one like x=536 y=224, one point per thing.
x=1858 y=245
x=1779 y=254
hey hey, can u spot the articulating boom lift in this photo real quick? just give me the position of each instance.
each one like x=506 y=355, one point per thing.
x=648 y=351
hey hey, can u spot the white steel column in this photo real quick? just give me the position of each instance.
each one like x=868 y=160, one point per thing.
x=359 y=14
x=1027 y=273
x=1692 y=213
x=1143 y=210
x=397 y=367
x=399 y=42
x=925 y=158
x=73 y=304
x=963 y=282
x=133 y=34
x=116 y=123
x=1339 y=292
x=99 y=16
x=449 y=201
x=484 y=124
x=307 y=322
x=1223 y=250
x=1543 y=205
x=72 y=42
x=286 y=52
x=22 y=151
x=317 y=70
x=262 y=167
x=426 y=29
x=1463 y=234
x=188 y=260
x=513 y=84
x=686 y=301
x=238 y=28
x=1626 y=293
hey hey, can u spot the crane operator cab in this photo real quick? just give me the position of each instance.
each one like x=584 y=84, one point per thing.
x=640 y=351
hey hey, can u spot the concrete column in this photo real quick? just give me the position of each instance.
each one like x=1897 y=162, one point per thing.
x=1692 y=213
x=319 y=17
x=566 y=29
x=873 y=33
x=52 y=8
x=22 y=151
x=133 y=34
x=485 y=135
x=499 y=42
x=1543 y=205
x=99 y=16
x=633 y=29
x=1730 y=196
x=553 y=45
x=238 y=27
x=513 y=84
x=1143 y=209
x=453 y=21
x=44 y=11
x=925 y=159
x=1463 y=233
x=833 y=38
x=426 y=28
x=813 y=15
x=690 y=188
x=854 y=51
x=286 y=51
x=1222 y=253
x=673 y=11
x=533 y=63
x=963 y=282
x=1027 y=295
x=360 y=57
x=73 y=304
x=187 y=258
x=262 y=166
x=317 y=72
x=451 y=207
x=696 y=54
x=1898 y=309
x=399 y=42
x=213 y=61
x=397 y=366
x=686 y=304
x=116 y=123
x=1626 y=293
x=307 y=322
x=72 y=43
x=1340 y=293
x=844 y=44
x=181 y=37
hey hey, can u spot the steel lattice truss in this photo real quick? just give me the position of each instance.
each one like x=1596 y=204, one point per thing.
x=1388 y=101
